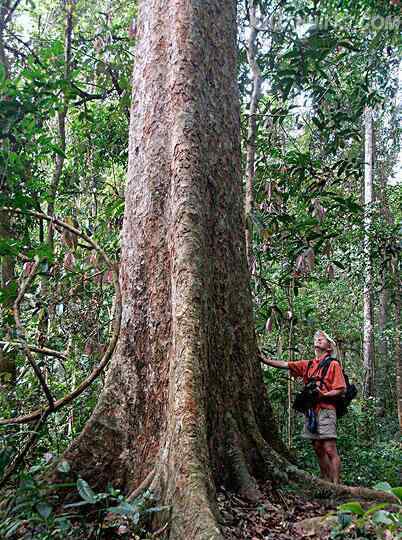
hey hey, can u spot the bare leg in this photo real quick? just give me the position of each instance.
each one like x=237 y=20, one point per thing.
x=323 y=459
x=333 y=459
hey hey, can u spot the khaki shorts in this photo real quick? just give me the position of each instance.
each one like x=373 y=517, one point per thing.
x=326 y=426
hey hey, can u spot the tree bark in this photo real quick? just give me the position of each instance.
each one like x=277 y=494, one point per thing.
x=4 y=10
x=184 y=401
x=368 y=330
x=382 y=340
x=398 y=355
x=7 y=277
x=252 y=129
x=383 y=309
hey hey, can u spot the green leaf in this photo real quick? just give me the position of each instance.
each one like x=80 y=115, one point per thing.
x=136 y=518
x=44 y=509
x=126 y=509
x=317 y=122
x=9 y=293
x=382 y=518
x=344 y=519
x=349 y=203
x=63 y=523
x=339 y=265
x=353 y=507
x=64 y=466
x=383 y=486
x=123 y=509
x=348 y=45
x=57 y=150
x=374 y=508
x=3 y=74
x=86 y=491
x=397 y=491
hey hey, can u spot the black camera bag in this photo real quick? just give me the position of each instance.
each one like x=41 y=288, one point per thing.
x=308 y=397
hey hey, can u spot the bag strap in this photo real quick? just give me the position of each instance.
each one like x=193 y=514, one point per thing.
x=323 y=365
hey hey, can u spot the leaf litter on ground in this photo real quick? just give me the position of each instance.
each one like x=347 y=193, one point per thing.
x=279 y=515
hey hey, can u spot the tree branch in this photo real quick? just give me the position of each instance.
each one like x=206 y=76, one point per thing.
x=20 y=457
x=35 y=415
x=20 y=329
x=34 y=348
x=9 y=14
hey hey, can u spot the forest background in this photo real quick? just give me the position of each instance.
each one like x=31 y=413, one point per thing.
x=317 y=81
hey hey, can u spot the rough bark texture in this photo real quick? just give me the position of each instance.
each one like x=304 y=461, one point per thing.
x=368 y=330
x=184 y=395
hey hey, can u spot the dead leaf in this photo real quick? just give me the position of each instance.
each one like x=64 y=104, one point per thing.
x=315 y=526
x=69 y=261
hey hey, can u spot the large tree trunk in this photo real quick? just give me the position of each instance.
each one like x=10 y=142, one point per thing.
x=368 y=329
x=184 y=395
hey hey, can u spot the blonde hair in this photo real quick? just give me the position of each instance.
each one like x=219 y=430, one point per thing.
x=330 y=341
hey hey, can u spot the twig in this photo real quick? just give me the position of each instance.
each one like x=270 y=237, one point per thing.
x=20 y=457
x=9 y=14
x=116 y=321
x=160 y=531
x=26 y=45
x=20 y=329
x=144 y=484
x=34 y=348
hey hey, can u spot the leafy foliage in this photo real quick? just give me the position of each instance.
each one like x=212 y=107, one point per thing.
x=356 y=522
x=34 y=511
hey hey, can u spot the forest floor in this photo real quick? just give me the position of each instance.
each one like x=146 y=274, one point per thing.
x=281 y=515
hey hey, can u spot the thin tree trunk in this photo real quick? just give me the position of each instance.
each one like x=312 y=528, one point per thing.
x=290 y=353
x=368 y=331
x=388 y=275
x=61 y=116
x=59 y=158
x=398 y=355
x=384 y=296
x=7 y=358
x=4 y=9
x=7 y=277
x=252 y=129
x=382 y=340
